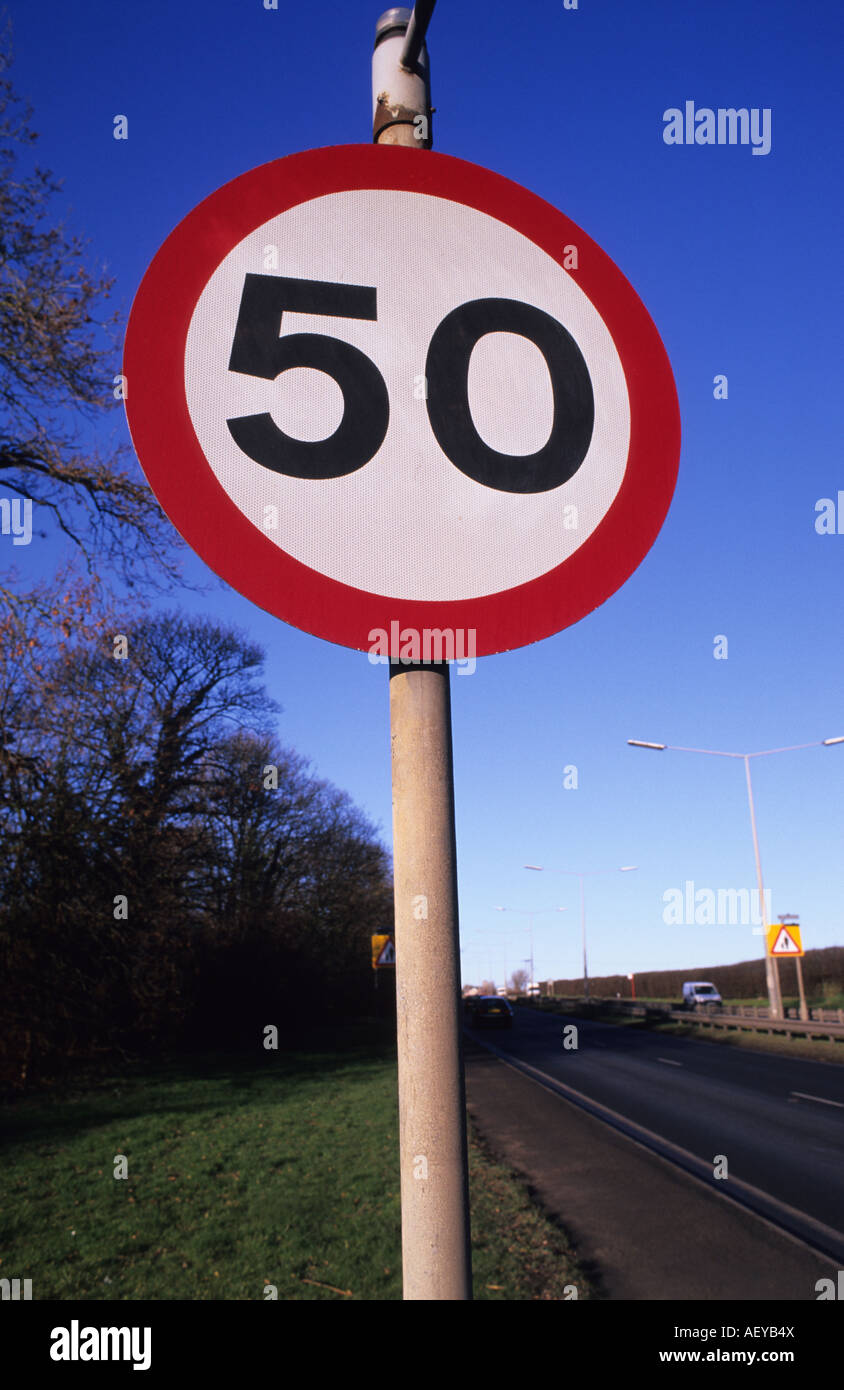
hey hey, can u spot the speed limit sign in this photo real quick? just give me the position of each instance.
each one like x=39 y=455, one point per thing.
x=378 y=389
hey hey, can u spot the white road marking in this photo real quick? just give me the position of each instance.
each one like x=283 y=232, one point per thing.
x=668 y=1152
x=668 y=1062
x=820 y=1099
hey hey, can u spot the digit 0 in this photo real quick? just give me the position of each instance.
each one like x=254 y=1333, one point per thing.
x=447 y=370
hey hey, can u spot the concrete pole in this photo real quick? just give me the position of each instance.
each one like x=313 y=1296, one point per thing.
x=436 y=1257
x=774 y=999
x=432 y=1103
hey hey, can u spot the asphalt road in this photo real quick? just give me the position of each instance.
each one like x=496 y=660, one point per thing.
x=779 y=1122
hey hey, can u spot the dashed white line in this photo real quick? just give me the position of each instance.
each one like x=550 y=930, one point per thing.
x=822 y=1100
x=668 y=1062
x=743 y=1194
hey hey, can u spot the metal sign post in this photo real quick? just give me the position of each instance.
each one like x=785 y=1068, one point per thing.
x=787 y=941
x=436 y=1254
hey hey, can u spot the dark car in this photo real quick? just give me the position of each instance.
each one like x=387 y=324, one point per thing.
x=491 y=1011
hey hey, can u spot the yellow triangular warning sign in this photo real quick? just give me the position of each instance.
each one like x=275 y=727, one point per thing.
x=785 y=944
x=387 y=955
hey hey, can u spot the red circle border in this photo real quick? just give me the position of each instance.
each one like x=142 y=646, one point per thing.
x=206 y=517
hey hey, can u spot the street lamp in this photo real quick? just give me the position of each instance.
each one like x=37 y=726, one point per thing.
x=575 y=873
x=478 y=946
x=530 y=912
x=493 y=948
x=771 y=972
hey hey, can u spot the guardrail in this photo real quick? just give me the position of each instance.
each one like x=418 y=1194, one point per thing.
x=824 y=1023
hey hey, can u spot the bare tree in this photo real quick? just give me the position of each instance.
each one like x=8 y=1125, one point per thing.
x=157 y=845
x=518 y=981
x=58 y=367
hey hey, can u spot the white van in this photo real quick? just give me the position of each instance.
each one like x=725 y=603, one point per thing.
x=701 y=994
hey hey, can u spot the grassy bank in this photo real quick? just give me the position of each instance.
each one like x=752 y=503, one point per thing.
x=810 y=1049
x=829 y=999
x=281 y=1170
x=787 y=1045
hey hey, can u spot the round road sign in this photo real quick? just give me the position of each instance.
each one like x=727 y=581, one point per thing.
x=385 y=391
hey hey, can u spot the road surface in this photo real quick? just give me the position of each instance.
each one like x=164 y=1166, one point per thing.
x=779 y=1124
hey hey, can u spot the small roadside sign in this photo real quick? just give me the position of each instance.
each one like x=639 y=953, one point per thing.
x=785 y=940
x=383 y=951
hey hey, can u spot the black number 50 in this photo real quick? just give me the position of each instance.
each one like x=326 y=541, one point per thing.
x=258 y=350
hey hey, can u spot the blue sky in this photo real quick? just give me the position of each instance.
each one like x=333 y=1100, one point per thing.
x=737 y=258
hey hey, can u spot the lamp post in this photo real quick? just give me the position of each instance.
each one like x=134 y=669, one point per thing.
x=576 y=873
x=490 y=949
x=477 y=946
x=771 y=972
x=530 y=912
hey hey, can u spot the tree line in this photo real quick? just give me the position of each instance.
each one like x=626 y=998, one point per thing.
x=823 y=977
x=170 y=873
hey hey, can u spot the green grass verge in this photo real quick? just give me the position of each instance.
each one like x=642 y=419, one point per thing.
x=517 y=1252
x=787 y=1045
x=829 y=999
x=810 y=1049
x=282 y=1170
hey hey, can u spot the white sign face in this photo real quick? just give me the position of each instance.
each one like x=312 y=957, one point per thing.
x=785 y=941
x=407 y=521
x=382 y=389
